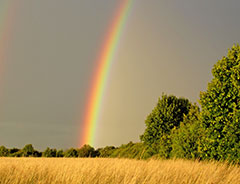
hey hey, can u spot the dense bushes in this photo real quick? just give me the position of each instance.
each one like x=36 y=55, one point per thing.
x=186 y=139
x=132 y=150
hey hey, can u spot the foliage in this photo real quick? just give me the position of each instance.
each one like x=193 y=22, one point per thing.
x=167 y=115
x=186 y=139
x=71 y=153
x=133 y=150
x=3 y=151
x=15 y=152
x=86 y=151
x=221 y=109
x=60 y=153
x=106 y=152
x=49 y=153
x=28 y=151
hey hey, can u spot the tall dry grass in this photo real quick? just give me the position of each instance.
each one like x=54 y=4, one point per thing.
x=105 y=170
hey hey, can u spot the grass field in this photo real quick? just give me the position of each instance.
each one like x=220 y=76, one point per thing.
x=105 y=170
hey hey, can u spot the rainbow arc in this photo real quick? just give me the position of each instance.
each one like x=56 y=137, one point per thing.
x=104 y=62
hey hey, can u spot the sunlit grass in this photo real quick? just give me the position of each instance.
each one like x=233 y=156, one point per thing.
x=106 y=170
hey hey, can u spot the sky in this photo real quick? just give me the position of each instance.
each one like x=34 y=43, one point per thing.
x=50 y=52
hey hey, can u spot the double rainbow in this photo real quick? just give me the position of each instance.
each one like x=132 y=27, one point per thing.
x=103 y=65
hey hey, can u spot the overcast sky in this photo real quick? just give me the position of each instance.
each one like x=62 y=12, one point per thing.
x=167 y=46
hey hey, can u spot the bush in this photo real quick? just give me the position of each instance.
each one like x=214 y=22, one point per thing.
x=133 y=150
x=186 y=139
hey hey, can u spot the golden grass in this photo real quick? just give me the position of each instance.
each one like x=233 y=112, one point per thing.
x=106 y=170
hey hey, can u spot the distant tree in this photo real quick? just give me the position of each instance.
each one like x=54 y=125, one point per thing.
x=17 y=154
x=71 y=153
x=37 y=153
x=13 y=150
x=49 y=152
x=167 y=114
x=86 y=151
x=28 y=151
x=221 y=109
x=60 y=153
x=106 y=152
x=4 y=152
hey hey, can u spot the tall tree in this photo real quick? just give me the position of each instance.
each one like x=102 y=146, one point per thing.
x=167 y=114
x=221 y=109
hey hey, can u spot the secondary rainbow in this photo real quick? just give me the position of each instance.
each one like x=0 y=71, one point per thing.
x=103 y=65
x=7 y=15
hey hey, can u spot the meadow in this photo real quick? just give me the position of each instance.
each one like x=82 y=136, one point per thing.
x=109 y=170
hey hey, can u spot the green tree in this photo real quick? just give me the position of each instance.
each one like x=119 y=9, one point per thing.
x=167 y=115
x=59 y=153
x=15 y=152
x=221 y=109
x=4 y=152
x=107 y=151
x=49 y=152
x=28 y=150
x=71 y=153
x=186 y=139
x=86 y=151
x=132 y=150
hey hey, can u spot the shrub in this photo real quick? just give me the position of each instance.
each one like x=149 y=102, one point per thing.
x=186 y=139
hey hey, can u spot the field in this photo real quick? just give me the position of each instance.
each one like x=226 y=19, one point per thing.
x=105 y=170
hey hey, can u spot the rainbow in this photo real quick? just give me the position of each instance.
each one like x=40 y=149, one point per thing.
x=103 y=65
x=7 y=11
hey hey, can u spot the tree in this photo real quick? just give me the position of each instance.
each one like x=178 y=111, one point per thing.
x=15 y=152
x=60 y=153
x=221 y=109
x=107 y=151
x=71 y=153
x=132 y=150
x=186 y=139
x=4 y=152
x=86 y=151
x=167 y=114
x=49 y=152
x=28 y=150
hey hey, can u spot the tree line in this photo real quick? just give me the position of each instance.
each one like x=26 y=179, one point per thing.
x=176 y=128
x=29 y=151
